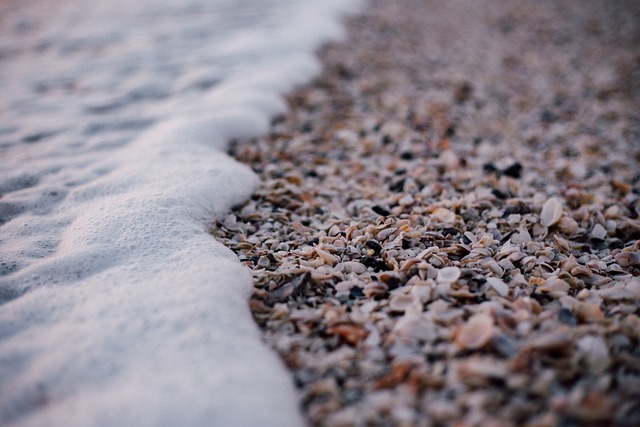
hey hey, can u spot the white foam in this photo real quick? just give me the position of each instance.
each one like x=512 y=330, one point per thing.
x=118 y=307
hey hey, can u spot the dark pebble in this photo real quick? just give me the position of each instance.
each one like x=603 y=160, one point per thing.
x=356 y=293
x=463 y=92
x=393 y=283
x=616 y=244
x=598 y=244
x=374 y=245
x=504 y=345
x=407 y=155
x=397 y=186
x=375 y=263
x=499 y=194
x=567 y=317
x=514 y=171
x=406 y=243
x=380 y=210
x=450 y=132
x=490 y=168
x=519 y=208
x=306 y=128
x=548 y=117
x=450 y=232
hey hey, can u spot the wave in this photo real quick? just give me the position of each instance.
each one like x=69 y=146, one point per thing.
x=116 y=305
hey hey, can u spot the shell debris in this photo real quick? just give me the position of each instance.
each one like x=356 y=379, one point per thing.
x=431 y=246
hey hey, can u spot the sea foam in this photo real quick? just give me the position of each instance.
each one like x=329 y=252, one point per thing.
x=116 y=305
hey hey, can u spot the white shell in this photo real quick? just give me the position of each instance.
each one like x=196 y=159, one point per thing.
x=448 y=275
x=551 y=212
x=326 y=256
x=599 y=232
x=400 y=303
x=499 y=286
x=476 y=332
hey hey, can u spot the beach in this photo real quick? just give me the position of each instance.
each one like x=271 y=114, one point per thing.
x=447 y=226
x=117 y=306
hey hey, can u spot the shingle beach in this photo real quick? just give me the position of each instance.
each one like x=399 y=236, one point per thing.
x=447 y=230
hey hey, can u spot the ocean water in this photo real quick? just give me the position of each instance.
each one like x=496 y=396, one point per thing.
x=116 y=305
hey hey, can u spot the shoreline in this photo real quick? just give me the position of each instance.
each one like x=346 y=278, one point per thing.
x=447 y=227
x=117 y=307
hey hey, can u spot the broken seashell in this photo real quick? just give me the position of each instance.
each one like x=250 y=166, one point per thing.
x=628 y=259
x=399 y=303
x=499 y=286
x=552 y=340
x=562 y=243
x=474 y=334
x=568 y=263
x=351 y=267
x=568 y=225
x=555 y=287
x=443 y=215
x=384 y=234
x=599 y=232
x=415 y=328
x=587 y=312
x=551 y=212
x=634 y=288
x=448 y=275
x=375 y=289
x=617 y=293
x=581 y=270
x=350 y=332
x=326 y=256
x=480 y=371
x=595 y=352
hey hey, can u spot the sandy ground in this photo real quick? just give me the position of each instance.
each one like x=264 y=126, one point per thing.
x=447 y=230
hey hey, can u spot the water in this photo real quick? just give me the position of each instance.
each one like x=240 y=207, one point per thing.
x=116 y=306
